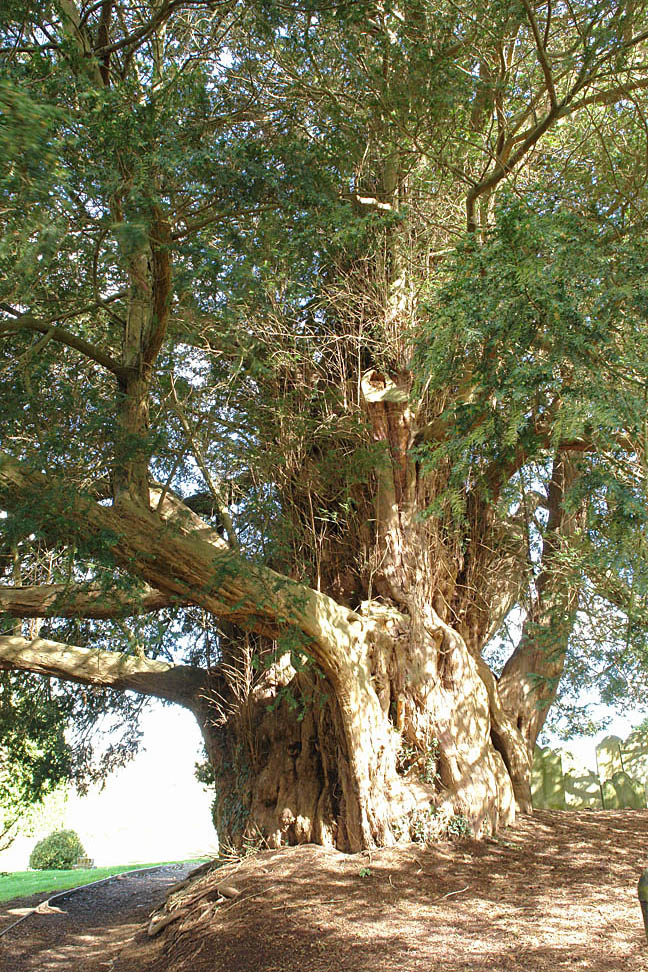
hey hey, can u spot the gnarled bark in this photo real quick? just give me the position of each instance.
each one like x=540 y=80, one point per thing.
x=529 y=681
x=292 y=771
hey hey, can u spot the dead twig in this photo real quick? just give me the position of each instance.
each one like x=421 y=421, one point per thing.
x=450 y=893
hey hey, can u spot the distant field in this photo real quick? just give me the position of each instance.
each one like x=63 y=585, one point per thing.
x=21 y=884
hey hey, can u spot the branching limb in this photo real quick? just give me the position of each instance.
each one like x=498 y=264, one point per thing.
x=542 y=52
x=178 y=554
x=214 y=488
x=160 y=240
x=507 y=740
x=28 y=323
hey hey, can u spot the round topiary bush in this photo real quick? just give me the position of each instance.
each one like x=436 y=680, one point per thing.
x=58 y=851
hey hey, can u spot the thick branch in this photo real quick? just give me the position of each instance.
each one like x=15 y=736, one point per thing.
x=160 y=240
x=61 y=601
x=529 y=681
x=214 y=488
x=107 y=669
x=507 y=163
x=180 y=560
x=507 y=740
x=186 y=559
x=162 y=14
x=28 y=323
x=608 y=96
x=504 y=168
x=73 y=27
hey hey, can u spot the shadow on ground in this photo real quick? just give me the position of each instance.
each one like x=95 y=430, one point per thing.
x=557 y=892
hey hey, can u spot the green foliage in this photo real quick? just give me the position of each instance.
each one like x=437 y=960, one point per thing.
x=24 y=818
x=423 y=762
x=58 y=851
x=23 y=884
x=230 y=812
x=459 y=826
x=535 y=340
x=204 y=771
x=429 y=770
x=232 y=791
x=539 y=332
x=34 y=755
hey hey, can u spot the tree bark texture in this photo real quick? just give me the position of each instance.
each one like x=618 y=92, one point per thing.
x=529 y=682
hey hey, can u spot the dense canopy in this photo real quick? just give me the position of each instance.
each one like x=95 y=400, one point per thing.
x=323 y=404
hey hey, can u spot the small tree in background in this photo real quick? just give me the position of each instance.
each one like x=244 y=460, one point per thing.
x=34 y=755
x=58 y=851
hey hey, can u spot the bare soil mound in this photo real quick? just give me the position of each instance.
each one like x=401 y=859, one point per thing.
x=558 y=892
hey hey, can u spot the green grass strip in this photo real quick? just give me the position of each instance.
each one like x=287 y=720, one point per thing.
x=22 y=884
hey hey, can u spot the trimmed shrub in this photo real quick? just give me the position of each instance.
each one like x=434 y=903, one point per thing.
x=57 y=852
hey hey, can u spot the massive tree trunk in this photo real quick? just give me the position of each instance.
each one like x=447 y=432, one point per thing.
x=291 y=765
x=361 y=728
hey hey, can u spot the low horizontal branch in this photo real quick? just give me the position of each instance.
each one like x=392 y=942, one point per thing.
x=105 y=669
x=177 y=553
x=62 y=601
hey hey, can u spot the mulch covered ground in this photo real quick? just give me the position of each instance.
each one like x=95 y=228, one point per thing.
x=557 y=892
x=86 y=931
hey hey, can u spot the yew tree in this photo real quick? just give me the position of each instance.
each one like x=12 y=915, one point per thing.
x=323 y=355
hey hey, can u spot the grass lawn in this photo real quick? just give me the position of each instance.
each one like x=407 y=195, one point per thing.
x=20 y=884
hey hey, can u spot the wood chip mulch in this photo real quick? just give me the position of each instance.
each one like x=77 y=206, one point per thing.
x=555 y=893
